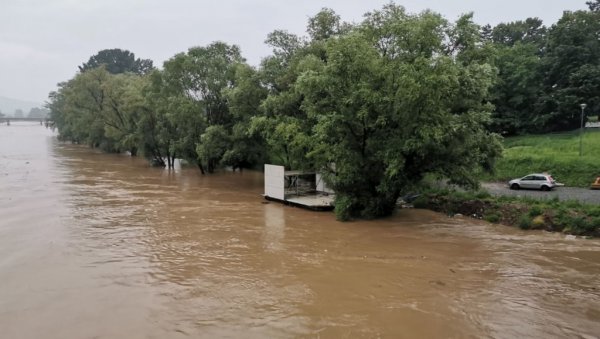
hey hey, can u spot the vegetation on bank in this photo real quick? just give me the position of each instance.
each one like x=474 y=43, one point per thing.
x=556 y=153
x=570 y=217
x=376 y=106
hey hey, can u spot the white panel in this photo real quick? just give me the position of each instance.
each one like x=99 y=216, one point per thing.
x=275 y=181
x=320 y=183
x=322 y=186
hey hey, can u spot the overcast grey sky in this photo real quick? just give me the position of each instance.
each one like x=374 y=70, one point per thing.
x=43 y=41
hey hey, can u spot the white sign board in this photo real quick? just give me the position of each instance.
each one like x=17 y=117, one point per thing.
x=275 y=181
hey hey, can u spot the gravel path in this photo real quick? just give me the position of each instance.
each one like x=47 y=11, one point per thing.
x=563 y=193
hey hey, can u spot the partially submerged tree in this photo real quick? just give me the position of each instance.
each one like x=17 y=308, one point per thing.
x=197 y=80
x=393 y=103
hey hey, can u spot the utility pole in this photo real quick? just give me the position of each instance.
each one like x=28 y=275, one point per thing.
x=583 y=106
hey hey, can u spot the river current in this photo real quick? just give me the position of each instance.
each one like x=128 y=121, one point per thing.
x=96 y=245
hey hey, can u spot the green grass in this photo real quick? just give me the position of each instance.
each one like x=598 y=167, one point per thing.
x=557 y=154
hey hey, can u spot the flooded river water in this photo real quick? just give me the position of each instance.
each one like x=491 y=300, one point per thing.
x=102 y=246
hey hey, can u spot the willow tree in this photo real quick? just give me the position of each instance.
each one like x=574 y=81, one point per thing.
x=193 y=85
x=77 y=109
x=284 y=124
x=398 y=98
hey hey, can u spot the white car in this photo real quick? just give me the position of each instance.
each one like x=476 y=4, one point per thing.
x=539 y=181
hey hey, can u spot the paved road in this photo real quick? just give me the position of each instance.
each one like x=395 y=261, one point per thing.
x=563 y=193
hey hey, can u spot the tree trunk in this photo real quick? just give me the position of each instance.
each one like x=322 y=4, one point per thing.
x=171 y=160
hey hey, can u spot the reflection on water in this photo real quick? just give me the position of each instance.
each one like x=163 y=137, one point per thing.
x=274 y=227
x=103 y=246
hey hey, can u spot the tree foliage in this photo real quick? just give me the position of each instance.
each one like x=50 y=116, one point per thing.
x=117 y=61
x=394 y=102
x=571 y=66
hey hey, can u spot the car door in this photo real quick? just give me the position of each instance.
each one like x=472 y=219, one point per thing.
x=540 y=181
x=528 y=182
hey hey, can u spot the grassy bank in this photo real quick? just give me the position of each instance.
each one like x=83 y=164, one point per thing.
x=557 y=154
x=570 y=217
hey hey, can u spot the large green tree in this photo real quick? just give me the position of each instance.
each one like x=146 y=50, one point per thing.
x=571 y=67
x=194 y=84
x=100 y=109
x=401 y=97
x=519 y=47
x=530 y=31
x=245 y=149
x=118 y=61
x=77 y=107
x=284 y=123
x=517 y=89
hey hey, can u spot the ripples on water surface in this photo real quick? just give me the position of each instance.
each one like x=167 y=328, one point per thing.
x=102 y=246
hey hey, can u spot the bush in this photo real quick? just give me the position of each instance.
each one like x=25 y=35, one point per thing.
x=538 y=222
x=535 y=211
x=525 y=222
x=492 y=217
x=593 y=211
x=572 y=204
x=579 y=225
x=421 y=202
x=343 y=208
x=482 y=195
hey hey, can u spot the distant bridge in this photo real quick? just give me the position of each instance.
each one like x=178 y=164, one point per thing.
x=43 y=121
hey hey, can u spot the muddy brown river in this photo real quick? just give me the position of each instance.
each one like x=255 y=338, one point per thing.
x=102 y=246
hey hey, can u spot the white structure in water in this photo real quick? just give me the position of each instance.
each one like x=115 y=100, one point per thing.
x=297 y=188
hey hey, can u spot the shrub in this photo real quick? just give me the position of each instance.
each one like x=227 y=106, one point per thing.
x=525 y=222
x=538 y=222
x=421 y=202
x=482 y=195
x=492 y=217
x=572 y=204
x=535 y=210
x=343 y=208
x=579 y=225
x=593 y=211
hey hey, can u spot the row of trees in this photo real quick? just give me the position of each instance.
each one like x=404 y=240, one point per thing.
x=544 y=74
x=377 y=105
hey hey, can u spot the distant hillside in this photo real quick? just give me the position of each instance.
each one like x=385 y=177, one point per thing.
x=8 y=105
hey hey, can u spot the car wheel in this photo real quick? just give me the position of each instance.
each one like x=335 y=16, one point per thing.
x=545 y=188
x=514 y=187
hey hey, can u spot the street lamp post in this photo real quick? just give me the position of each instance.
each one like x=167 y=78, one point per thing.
x=583 y=106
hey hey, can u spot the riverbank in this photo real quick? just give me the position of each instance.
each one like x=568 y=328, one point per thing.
x=553 y=215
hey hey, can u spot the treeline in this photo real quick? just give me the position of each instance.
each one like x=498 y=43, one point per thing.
x=546 y=73
x=377 y=105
